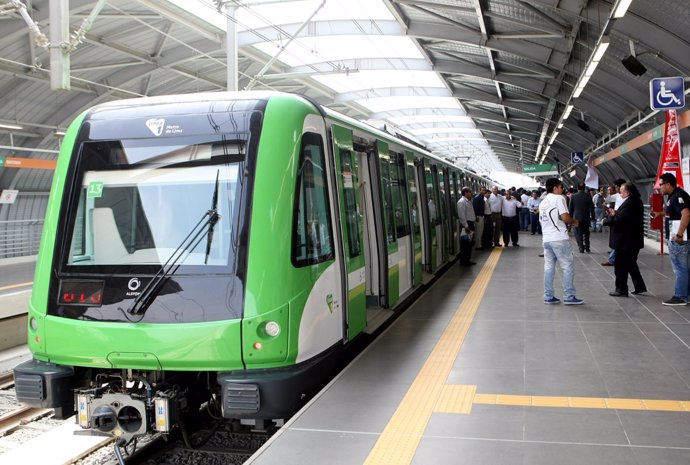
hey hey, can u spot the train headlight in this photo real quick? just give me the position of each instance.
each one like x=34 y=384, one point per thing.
x=33 y=324
x=272 y=328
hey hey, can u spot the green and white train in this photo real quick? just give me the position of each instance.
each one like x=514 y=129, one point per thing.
x=223 y=249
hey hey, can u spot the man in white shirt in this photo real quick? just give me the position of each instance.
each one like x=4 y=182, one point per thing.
x=524 y=212
x=553 y=216
x=511 y=209
x=496 y=204
x=467 y=218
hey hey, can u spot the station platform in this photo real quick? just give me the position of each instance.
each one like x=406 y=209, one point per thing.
x=480 y=371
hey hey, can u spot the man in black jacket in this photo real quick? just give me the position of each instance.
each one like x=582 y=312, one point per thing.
x=478 y=202
x=627 y=238
x=582 y=209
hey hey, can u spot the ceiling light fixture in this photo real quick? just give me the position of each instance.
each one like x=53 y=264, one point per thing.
x=621 y=8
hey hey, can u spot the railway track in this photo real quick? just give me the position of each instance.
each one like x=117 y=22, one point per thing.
x=6 y=380
x=226 y=445
x=21 y=416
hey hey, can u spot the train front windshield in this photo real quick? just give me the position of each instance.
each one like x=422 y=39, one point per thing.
x=155 y=201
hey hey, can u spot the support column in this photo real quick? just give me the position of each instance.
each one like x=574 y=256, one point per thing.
x=231 y=45
x=59 y=34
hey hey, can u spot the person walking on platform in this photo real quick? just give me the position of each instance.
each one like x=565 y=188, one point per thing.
x=533 y=205
x=554 y=216
x=677 y=210
x=510 y=219
x=478 y=202
x=467 y=218
x=582 y=209
x=599 y=201
x=488 y=233
x=524 y=211
x=627 y=238
x=496 y=204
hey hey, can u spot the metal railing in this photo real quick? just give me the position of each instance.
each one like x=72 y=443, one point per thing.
x=653 y=234
x=19 y=238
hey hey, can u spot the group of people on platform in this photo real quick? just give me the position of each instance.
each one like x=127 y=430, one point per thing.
x=553 y=212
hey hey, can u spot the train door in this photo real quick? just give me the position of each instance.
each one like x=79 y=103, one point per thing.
x=455 y=189
x=351 y=223
x=379 y=227
x=391 y=291
x=431 y=221
x=440 y=217
x=443 y=209
x=415 y=203
x=401 y=216
x=449 y=183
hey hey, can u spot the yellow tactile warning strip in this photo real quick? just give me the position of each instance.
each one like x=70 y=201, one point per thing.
x=12 y=286
x=456 y=398
x=399 y=440
x=569 y=402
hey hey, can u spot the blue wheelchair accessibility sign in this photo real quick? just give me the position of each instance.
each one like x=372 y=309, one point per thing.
x=667 y=93
x=577 y=158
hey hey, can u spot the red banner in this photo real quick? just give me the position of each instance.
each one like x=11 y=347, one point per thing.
x=669 y=162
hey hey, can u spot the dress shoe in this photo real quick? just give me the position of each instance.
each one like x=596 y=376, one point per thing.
x=618 y=293
x=636 y=292
x=606 y=264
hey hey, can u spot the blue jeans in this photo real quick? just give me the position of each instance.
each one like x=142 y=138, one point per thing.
x=598 y=219
x=680 y=261
x=524 y=219
x=562 y=252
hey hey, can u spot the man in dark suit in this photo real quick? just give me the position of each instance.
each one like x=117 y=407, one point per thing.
x=582 y=209
x=627 y=238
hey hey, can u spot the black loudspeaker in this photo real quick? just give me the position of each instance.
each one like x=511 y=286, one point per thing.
x=633 y=65
x=584 y=126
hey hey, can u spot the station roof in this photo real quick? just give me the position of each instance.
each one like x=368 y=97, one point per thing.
x=485 y=83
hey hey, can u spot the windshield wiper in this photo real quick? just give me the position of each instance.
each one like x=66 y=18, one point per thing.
x=213 y=217
x=203 y=228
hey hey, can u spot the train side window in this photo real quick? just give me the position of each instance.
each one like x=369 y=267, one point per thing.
x=312 y=238
x=388 y=209
x=412 y=190
x=399 y=192
x=442 y=194
x=348 y=170
x=431 y=196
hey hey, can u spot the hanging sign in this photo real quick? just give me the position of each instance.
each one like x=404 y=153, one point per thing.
x=8 y=196
x=669 y=162
x=540 y=170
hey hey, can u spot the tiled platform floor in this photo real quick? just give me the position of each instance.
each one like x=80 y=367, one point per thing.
x=632 y=349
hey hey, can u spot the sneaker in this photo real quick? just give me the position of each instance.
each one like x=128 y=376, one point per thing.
x=573 y=301
x=675 y=301
x=552 y=301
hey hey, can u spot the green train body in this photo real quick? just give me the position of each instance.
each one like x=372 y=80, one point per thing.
x=223 y=248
